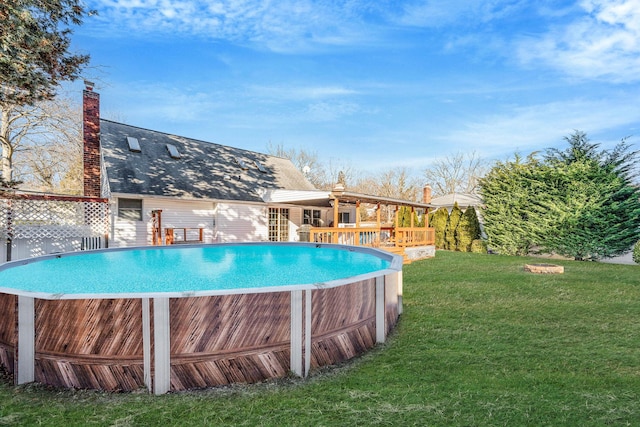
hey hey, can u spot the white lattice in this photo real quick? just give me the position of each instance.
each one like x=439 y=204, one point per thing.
x=32 y=218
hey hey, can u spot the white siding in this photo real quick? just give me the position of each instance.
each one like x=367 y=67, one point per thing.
x=295 y=221
x=241 y=223
x=175 y=214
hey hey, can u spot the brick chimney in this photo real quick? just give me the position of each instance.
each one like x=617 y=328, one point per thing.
x=426 y=194
x=91 y=137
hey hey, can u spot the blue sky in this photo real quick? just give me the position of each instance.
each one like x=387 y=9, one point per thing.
x=372 y=83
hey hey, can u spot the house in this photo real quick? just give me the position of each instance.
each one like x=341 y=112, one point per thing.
x=165 y=188
x=464 y=200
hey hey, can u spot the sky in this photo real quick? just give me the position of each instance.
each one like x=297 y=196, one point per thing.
x=375 y=84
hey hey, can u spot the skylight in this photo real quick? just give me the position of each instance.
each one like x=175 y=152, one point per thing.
x=241 y=163
x=261 y=167
x=173 y=151
x=134 y=145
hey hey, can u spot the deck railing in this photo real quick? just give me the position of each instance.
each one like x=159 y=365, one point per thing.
x=175 y=236
x=403 y=237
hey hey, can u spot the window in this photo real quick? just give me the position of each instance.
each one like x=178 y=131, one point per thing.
x=261 y=167
x=241 y=163
x=312 y=217
x=130 y=209
x=173 y=151
x=343 y=217
x=134 y=145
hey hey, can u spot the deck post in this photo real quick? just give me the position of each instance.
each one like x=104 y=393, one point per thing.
x=162 y=346
x=380 y=306
x=26 y=340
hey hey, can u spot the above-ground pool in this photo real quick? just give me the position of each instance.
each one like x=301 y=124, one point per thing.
x=182 y=317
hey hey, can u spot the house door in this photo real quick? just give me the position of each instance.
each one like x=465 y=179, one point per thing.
x=278 y=225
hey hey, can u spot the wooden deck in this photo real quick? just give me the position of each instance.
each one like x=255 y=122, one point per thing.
x=394 y=237
x=391 y=239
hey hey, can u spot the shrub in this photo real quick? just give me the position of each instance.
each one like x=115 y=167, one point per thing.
x=479 y=246
x=450 y=242
x=439 y=222
x=468 y=230
x=636 y=252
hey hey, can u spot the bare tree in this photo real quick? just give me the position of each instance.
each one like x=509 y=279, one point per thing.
x=322 y=176
x=456 y=173
x=42 y=145
x=397 y=183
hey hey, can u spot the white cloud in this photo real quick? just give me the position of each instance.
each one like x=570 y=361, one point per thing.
x=330 y=111
x=544 y=125
x=283 y=25
x=300 y=93
x=603 y=43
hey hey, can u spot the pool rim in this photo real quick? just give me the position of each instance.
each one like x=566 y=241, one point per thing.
x=396 y=263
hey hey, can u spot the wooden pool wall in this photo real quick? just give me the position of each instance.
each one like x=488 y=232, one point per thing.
x=172 y=344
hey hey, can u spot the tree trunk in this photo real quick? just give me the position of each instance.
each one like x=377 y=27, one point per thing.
x=7 y=150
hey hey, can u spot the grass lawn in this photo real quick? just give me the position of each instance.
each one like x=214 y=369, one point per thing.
x=481 y=342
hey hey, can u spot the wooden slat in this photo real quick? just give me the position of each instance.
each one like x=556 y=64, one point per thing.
x=89 y=343
x=215 y=340
x=8 y=331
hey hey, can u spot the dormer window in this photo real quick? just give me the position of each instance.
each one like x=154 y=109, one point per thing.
x=134 y=145
x=173 y=151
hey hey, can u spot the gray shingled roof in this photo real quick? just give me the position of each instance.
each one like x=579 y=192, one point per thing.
x=204 y=171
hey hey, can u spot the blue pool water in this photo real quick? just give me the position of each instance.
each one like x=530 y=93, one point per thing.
x=189 y=269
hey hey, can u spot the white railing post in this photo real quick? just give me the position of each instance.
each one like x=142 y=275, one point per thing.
x=380 y=314
x=26 y=340
x=296 y=333
x=162 y=346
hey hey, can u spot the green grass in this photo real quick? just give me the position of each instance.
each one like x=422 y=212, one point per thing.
x=481 y=342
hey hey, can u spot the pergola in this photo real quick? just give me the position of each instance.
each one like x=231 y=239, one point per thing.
x=395 y=237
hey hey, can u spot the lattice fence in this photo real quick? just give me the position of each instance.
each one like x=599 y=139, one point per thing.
x=33 y=218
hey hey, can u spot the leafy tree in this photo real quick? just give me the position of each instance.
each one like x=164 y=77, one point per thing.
x=468 y=230
x=439 y=221
x=34 y=58
x=450 y=242
x=509 y=191
x=636 y=252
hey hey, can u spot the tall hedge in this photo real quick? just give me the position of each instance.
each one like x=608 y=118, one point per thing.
x=468 y=230
x=438 y=220
x=579 y=202
x=450 y=230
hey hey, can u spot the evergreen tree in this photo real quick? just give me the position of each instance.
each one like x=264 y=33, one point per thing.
x=450 y=230
x=439 y=221
x=579 y=202
x=34 y=48
x=404 y=216
x=468 y=230
x=592 y=208
x=509 y=191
